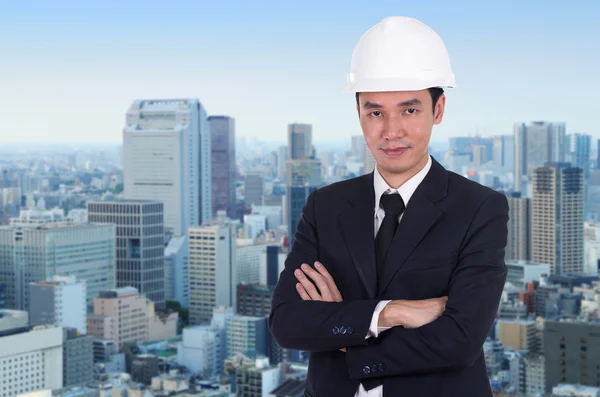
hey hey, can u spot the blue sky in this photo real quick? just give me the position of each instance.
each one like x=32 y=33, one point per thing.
x=69 y=70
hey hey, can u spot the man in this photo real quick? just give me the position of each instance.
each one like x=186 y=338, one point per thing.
x=395 y=277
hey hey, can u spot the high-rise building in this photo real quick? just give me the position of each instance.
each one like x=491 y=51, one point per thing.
x=557 y=217
x=247 y=335
x=519 y=227
x=282 y=158
x=212 y=273
x=60 y=301
x=253 y=189
x=177 y=270
x=304 y=177
x=479 y=155
x=140 y=243
x=166 y=157
x=258 y=379
x=504 y=152
x=300 y=141
x=30 y=359
x=38 y=251
x=598 y=155
x=222 y=131
x=536 y=144
x=572 y=352
x=202 y=350
x=78 y=358
x=579 y=146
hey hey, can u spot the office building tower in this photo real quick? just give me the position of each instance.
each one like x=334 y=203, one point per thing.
x=140 y=243
x=579 y=146
x=557 y=217
x=247 y=335
x=572 y=352
x=38 y=251
x=202 y=350
x=504 y=152
x=300 y=144
x=60 y=301
x=177 y=270
x=254 y=189
x=598 y=155
x=272 y=263
x=282 y=158
x=78 y=358
x=223 y=172
x=479 y=155
x=166 y=156
x=30 y=359
x=304 y=177
x=519 y=227
x=536 y=144
x=212 y=272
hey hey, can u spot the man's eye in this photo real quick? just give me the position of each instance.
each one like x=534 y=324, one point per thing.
x=411 y=111
x=376 y=113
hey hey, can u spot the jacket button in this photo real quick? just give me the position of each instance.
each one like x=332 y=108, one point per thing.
x=374 y=368
x=382 y=367
x=367 y=370
x=350 y=330
x=335 y=330
x=343 y=330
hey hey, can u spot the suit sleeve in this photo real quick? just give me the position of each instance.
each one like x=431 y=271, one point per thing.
x=456 y=338
x=312 y=325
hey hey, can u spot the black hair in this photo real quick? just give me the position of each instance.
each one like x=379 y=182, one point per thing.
x=435 y=92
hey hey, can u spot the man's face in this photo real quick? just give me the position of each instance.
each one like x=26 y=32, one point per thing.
x=397 y=127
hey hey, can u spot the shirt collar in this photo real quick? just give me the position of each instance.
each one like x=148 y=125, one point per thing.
x=406 y=190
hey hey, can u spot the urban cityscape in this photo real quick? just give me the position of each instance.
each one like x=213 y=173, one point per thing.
x=141 y=259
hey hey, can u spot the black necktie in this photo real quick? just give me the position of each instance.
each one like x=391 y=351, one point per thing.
x=393 y=205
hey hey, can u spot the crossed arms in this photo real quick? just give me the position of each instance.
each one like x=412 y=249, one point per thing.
x=419 y=340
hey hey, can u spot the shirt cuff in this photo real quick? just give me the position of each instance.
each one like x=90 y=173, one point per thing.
x=374 y=330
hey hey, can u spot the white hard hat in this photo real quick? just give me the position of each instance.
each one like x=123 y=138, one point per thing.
x=399 y=54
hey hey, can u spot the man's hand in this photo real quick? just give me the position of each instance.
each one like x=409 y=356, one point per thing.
x=306 y=289
x=327 y=290
x=412 y=314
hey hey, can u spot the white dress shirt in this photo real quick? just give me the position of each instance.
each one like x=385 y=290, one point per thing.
x=406 y=191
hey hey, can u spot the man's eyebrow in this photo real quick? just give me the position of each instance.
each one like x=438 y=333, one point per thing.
x=409 y=102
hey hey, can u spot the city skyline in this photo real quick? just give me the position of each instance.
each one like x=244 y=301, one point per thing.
x=510 y=67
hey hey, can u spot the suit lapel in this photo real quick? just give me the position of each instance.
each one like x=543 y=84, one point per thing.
x=358 y=230
x=419 y=216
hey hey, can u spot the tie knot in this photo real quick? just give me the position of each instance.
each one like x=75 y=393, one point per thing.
x=392 y=204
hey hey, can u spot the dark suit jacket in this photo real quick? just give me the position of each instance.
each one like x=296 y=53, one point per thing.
x=450 y=241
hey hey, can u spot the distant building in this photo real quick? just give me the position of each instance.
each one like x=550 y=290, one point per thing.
x=78 y=358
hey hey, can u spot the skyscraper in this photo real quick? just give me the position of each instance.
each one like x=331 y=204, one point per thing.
x=504 y=152
x=579 y=146
x=303 y=174
x=369 y=162
x=140 y=243
x=557 y=217
x=536 y=144
x=519 y=227
x=222 y=132
x=300 y=141
x=166 y=153
x=212 y=273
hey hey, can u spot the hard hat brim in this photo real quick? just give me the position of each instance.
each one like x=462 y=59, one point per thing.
x=399 y=84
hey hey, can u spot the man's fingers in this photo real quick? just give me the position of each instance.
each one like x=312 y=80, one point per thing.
x=335 y=292
x=302 y=292
x=308 y=285
x=320 y=282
